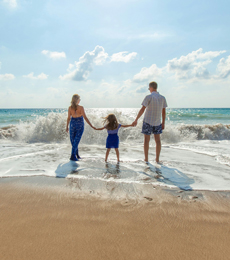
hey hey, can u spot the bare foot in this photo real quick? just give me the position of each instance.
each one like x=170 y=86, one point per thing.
x=159 y=162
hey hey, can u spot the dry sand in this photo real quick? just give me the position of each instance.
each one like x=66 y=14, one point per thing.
x=49 y=224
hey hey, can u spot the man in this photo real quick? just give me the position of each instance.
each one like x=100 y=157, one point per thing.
x=155 y=105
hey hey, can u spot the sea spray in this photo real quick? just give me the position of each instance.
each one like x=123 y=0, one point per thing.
x=51 y=128
x=195 y=153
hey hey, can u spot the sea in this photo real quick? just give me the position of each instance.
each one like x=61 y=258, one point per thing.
x=195 y=151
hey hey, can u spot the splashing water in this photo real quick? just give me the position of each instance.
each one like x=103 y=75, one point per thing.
x=195 y=153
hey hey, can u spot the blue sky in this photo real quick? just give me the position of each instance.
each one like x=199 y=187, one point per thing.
x=108 y=52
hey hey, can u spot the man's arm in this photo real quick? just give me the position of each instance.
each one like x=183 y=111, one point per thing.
x=163 y=118
x=142 y=110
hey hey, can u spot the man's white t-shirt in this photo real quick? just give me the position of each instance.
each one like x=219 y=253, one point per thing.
x=154 y=104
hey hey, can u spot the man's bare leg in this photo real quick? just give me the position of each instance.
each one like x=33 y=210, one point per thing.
x=146 y=147
x=107 y=154
x=158 y=147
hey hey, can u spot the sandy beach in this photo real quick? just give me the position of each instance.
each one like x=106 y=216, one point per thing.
x=42 y=223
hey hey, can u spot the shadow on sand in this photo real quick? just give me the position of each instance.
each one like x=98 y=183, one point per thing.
x=65 y=169
x=170 y=176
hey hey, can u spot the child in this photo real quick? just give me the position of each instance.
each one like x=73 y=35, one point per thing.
x=112 y=141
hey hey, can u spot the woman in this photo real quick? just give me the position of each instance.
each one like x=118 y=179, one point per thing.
x=76 y=114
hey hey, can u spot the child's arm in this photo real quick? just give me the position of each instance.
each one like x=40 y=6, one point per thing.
x=126 y=125
x=99 y=128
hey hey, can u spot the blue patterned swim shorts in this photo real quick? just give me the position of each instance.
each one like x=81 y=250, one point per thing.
x=148 y=129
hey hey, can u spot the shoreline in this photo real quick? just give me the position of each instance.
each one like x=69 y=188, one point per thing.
x=53 y=221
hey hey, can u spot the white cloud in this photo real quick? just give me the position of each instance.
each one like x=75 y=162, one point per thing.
x=148 y=73
x=11 y=3
x=142 y=89
x=123 y=56
x=192 y=65
x=40 y=76
x=54 y=54
x=71 y=66
x=100 y=55
x=81 y=69
x=223 y=68
x=7 y=76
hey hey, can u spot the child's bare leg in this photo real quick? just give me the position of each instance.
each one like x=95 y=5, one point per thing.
x=107 y=154
x=117 y=153
x=146 y=147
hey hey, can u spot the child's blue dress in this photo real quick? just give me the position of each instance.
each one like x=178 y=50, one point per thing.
x=113 y=139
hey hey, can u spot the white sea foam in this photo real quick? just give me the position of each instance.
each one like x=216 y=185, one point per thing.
x=194 y=156
x=51 y=128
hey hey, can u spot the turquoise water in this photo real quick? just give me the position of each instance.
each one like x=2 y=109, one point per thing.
x=178 y=115
x=195 y=149
x=199 y=115
x=15 y=116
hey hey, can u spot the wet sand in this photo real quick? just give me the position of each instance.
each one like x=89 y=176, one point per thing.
x=53 y=224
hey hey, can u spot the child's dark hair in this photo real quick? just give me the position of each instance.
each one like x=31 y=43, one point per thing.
x=111 y=122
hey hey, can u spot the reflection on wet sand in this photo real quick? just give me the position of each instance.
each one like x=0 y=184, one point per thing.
x=112 y=171
x=120 y=179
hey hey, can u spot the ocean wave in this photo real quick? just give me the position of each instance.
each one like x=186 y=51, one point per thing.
x=51 y=128
x=183 y=116
x=190 y=132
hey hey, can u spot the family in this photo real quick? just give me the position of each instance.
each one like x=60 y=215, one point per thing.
x=154 y=106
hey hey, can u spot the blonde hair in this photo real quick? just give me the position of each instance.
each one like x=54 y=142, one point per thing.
x=153 y=85
x=111 y=122
x=74 y=101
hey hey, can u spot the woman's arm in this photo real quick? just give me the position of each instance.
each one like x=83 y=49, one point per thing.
x=102 y=128
x=68 y=119
x=86 y=118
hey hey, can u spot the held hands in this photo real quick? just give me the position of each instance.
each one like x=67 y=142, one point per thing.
x=67 y=129
x=134 y=123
